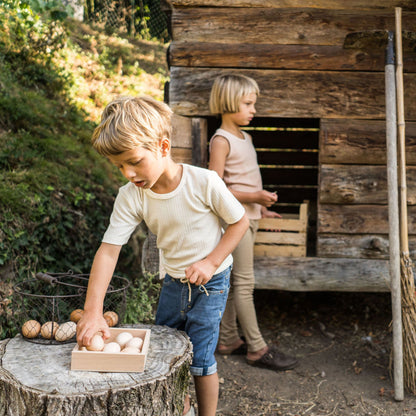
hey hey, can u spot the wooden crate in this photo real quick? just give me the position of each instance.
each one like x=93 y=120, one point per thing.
x=113 y=362
x=285 y=236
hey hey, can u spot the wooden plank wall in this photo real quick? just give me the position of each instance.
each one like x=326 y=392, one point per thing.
x=297 y=51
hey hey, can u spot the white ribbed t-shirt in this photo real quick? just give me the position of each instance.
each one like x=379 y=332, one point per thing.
x=185 y=221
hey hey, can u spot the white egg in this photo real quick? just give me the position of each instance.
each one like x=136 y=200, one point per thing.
x=130 y=350
x=96 y=344
x=66 y=331
x=135 y=342
x=112 y=347
x=123 y=338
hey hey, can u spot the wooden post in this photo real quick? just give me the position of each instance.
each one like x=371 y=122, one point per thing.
x=36 y=380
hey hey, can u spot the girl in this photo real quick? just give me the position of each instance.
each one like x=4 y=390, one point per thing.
x=233 y=157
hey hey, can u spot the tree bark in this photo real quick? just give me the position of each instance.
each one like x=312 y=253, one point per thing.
x=36 y=380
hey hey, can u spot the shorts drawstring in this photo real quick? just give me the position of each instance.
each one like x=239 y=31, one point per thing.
x=185 y=280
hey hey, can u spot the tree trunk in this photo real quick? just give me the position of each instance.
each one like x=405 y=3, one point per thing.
x=36 y=380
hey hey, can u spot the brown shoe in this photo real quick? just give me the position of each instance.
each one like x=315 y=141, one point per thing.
x=274 y=360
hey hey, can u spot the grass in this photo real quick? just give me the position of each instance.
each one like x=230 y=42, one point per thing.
x=56 y=193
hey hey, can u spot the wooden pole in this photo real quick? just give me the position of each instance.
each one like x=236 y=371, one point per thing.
x=393 y=201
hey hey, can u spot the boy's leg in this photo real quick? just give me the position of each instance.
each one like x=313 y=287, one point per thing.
x=207 y=389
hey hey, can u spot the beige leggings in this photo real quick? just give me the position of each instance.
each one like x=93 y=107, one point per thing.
x=240 y=304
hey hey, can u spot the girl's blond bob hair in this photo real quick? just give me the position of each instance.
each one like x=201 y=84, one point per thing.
x=227 y=91
x=130 y=122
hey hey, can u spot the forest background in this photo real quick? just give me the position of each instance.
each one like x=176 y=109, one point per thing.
x=57 y=73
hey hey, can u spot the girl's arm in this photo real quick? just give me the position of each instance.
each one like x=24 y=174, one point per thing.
x=101 y=273
x=201 y=272
x=218 y=155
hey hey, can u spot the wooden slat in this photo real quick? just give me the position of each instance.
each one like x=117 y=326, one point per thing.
x=312 y=94
x=272 y=56
x=324 y=4
x=294 y=238
x=321 y=274
x=360 y=142
x=279 y=25
x=357 y=246
x=282 y=224
x=284 y=251
x=358 y=184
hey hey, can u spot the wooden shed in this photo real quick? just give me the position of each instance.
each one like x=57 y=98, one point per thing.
x=319 y=130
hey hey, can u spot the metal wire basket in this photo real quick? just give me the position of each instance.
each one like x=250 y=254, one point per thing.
x=50 y=298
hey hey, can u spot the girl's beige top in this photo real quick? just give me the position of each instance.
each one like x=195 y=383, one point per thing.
x=241 y=171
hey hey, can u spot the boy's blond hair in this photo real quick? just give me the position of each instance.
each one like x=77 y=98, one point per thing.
x=227 y=91
x=129 y=122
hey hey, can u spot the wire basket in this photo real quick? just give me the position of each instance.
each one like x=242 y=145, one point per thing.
x=49 y=303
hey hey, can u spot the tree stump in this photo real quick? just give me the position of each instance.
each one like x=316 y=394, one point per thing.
x=36 y=380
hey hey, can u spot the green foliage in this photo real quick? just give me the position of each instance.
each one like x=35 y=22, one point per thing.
x=142 y=300
x=56 y=192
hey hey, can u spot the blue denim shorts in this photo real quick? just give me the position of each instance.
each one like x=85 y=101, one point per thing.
x=199 y=317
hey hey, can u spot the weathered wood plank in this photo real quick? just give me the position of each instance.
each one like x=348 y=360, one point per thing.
x=321 y=274
x=359 y=219
x=181 y=155
x=276 y=251
x=356 y=246
x=310 y=94
x=360 y=142
x=359 y=184
x=272 y=56
x=199 y=142
x=279 y=25
x=181 y=131
x=263 y=237
x=324 y=4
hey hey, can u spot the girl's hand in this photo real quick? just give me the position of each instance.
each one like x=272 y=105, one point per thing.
x=265 y=213
x=265 y=198
x=200 y=272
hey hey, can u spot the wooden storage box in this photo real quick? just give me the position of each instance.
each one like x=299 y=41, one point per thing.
x=285 y=237
x=113 y=362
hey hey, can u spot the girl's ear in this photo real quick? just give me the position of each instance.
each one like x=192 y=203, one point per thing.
x=165 y=146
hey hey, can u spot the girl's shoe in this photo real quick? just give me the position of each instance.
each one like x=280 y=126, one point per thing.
x=274 y=360
x=241 y=350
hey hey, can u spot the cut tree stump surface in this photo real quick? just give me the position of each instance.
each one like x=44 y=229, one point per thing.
x=36 y=379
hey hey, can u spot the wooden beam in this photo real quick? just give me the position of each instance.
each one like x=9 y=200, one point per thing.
x=282 y=25
x=310 y=94
x=360 y=142
x=359 y=219
x=364 y=246
x=323 y=4
x=321 y=274
x=272 y=56
x=359 y=184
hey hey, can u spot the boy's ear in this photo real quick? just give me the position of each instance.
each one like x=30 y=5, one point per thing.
x=165 y=146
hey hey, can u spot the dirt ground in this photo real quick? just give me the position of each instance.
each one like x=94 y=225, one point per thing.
x=343 y=343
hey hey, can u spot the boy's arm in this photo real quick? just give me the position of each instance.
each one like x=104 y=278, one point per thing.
x=201 y=272
x=101 y=273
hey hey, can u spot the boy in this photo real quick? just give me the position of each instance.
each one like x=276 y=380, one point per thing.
x=182 y=205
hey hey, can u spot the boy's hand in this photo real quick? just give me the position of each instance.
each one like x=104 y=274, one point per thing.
x=200 y=272
x=266 y=198
x=90 y=324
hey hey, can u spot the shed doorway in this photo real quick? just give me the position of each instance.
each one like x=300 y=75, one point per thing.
x=288 y=156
